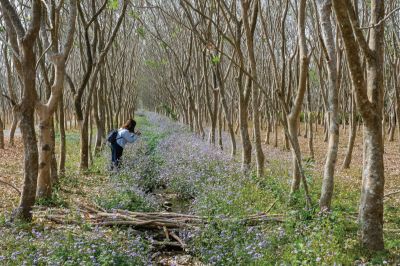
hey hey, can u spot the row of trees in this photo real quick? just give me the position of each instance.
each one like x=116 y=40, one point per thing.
x=253 y=65
x=244 y=66
x=65 y=64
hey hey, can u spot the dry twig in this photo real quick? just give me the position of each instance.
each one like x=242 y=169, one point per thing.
x=10 y=185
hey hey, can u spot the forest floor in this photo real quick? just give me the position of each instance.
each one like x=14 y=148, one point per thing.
x=171 y=169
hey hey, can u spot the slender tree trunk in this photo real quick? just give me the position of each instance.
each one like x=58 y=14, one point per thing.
x=44 y=179
x=12 y=95
x=14 y=125
x=293 y=117
x=1 y=134
x=371 y=205
x=99 y=126
x=84 y=136
x=325 y=11
x=27 y=126
x=220 y=143
x=90 y=138
x=370 y=105
x=311 y=136
x=306 y=123
x=250 y=22
x=352 y=135
x=53 y=167
x=397 y=92
x=268 y=130
x=63 y=151
x=244 y=134
x=276 y=133
x=228 y=114
x=293 y=129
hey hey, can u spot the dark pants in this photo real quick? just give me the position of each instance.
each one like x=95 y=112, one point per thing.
x=116 y=153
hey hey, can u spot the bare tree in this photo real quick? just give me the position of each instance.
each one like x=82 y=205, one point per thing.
x=45 y=111
x=325 y=11
x=369 y=99
x=23 y=49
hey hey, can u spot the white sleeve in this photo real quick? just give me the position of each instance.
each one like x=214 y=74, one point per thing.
x=128 y=136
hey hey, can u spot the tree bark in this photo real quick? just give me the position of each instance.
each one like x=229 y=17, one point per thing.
x=25 y=60
x=250 y=22
x=325 y=11
x=370 y=105
x=63 y=150
x=228 y=114
x=294 y=115
x=1 y=134
x=352 y=135
x=47 y=175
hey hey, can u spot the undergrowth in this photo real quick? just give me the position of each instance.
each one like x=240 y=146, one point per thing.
x=170 y=158
x=39 y=243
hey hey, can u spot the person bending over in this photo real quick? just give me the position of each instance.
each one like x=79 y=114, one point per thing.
x=126 y=134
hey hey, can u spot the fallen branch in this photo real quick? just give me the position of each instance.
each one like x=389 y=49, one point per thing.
x=166 y=244
x=166 y=233
x=392 y=193
x=272 y=205
x=177 y=238
x=10 y=185
x=141 y=220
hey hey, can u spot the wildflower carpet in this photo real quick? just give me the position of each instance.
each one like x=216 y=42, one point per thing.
x=172 y=170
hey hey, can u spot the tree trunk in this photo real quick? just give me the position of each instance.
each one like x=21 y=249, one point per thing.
x=44 y=186
x=371 y=205
x=53 y=167
x=63 y=151
x=47 y=161
x=220 y=143
x=352 y=135
x=293 y=129
x=370 y=105
x=397 y=92
x=90 y=139
x=244 y=134
x=99 y=125
x=27 y=126
x=276 y=133
x=15 y=120
x=293 y=117
x=84 y=151
x=250 y=22
x=311 y=136
x=228 y=114
x=1 y=134
x=325 y=11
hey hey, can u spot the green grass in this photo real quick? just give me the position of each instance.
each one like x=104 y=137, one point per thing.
x=125 y=190
x=37 y=243
x=305 y=238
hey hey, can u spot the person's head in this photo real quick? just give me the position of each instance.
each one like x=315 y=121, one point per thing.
x=130 y=125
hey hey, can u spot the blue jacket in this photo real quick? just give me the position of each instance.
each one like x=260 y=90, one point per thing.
x=124 y=136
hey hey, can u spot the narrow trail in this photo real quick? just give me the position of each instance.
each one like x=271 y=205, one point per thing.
x=161 y=166
x=173 y=170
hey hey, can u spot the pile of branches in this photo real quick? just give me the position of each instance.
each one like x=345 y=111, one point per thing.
x=99 y=217
x=140 y=220
x=165 y=222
